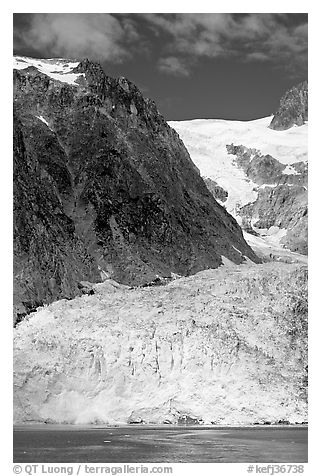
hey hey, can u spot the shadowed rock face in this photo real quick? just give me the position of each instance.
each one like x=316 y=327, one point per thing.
x=293 y=109
x=104 y=187
x=49 y=257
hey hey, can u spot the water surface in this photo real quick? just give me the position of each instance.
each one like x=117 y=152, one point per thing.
x=159 y=444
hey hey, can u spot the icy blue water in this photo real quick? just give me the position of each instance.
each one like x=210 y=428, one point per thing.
x=149 y=444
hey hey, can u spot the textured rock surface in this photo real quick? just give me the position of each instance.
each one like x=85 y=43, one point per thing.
x=216 y=190
x=49 y=257
x=223 y=346
x=105 y=188
x=265 y=169
x=293 y=109
x=282 y=196
x=283 y=207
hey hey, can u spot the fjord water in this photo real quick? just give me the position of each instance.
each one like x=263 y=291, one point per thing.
x=159 y=444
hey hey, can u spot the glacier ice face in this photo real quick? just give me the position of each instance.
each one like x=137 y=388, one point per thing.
x=223 y=346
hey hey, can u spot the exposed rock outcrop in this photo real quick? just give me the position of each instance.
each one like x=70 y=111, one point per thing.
x=282 y=196
x=218 y=192
x=293 y=109
x=265 y=169
x=283 y=207
x=49 y=257
x=104 y=188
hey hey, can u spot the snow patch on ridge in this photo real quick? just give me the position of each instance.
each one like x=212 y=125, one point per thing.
x=227 y=262
x=289 y=170
x=56 y=68
x=237 y=250
x=43 y=120
x=271 y=185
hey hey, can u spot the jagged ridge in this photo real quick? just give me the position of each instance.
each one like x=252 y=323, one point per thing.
x=293 y=109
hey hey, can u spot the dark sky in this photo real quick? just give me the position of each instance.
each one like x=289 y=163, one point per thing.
x=230 y=66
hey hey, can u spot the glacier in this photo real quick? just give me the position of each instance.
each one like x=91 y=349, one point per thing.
x=225 y=346
x=206 y=141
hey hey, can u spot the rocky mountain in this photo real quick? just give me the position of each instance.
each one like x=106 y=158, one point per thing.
x=293 y=108
x=224 y=346
x=104 y=187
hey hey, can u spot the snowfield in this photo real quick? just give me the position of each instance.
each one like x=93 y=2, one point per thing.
x=287 y=146
x=58 y=69
x=225 y=346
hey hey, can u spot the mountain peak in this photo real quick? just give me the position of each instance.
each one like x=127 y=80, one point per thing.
x=293 y=109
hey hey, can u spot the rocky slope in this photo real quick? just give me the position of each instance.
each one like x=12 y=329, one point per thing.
x=225 y=346
x=216 y=190
x=282 y=201
x=293 y=109
x=104 y=187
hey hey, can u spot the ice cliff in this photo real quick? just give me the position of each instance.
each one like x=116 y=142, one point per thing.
x=225 y=346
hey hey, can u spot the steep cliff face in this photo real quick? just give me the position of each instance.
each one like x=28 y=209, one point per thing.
x=49 y=257
x=293 y=109
x=223 y=346
x=108 y=178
